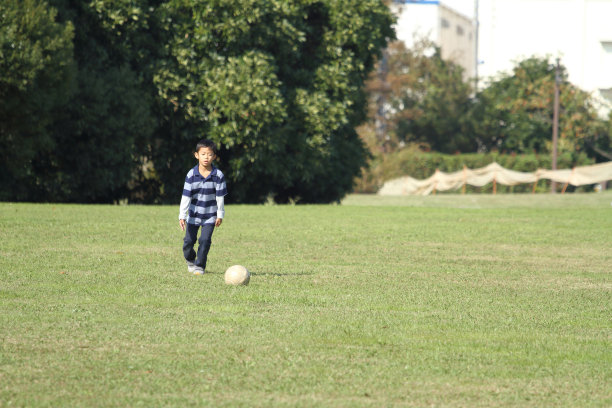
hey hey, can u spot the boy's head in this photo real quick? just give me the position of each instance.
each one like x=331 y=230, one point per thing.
x=205 y=153
x=206 y=143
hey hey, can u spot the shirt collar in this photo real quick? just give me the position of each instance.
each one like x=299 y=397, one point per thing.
x=196 y=171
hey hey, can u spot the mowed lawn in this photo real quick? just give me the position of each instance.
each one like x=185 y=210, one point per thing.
x=446 y=300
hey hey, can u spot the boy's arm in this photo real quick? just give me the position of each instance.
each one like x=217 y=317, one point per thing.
x=221 y=191
x=220 y=210
x=185 y=200
x=183 y=209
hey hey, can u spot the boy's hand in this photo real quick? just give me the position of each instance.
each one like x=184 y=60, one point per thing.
x=182 y=224
x=218 y=222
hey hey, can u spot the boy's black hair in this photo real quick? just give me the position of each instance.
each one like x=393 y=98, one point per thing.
x=206 y=143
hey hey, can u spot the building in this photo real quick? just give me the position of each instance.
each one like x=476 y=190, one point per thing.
x=453 y=32
x=578 y=32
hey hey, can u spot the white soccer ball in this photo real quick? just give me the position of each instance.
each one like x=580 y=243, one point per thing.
x=237 y=275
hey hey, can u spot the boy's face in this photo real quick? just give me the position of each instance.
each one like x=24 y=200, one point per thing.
x=205 y=156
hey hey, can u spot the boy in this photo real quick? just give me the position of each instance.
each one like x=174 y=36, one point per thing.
x=202 y=205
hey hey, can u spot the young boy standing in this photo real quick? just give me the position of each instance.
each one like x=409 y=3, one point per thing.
x=202 y=205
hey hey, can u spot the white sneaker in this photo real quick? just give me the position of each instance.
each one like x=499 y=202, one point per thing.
x=195 y=269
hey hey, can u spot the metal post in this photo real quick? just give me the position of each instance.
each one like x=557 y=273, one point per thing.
x=476 y=29
x=555 y=137
x=381 y=123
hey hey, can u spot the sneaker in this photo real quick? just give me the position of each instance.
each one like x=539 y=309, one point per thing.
x=198 y=270
x=191 y=267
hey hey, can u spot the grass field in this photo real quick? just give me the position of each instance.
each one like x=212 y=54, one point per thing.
x=447 y=300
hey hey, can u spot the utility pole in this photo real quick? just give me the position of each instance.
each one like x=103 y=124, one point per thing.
x=555 y=135
x=476 y=62
x=381 y=99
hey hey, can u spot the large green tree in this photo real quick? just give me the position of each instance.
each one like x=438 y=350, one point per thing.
x=417 y=97
x=36 y=81
x=278 y=85
x=514 y=113
x=103 y=134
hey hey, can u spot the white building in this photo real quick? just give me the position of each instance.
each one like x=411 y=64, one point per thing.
x=579 y=32
x=452 y=31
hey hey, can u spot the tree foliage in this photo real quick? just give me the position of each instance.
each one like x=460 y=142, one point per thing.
x=278 y=85
x=514 y=113
x=427 y=106
x=105 y=99
x=421 y=98
x=36 y=81
x=110 y=117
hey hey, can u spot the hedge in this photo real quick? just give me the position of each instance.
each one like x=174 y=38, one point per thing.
x=421 y=165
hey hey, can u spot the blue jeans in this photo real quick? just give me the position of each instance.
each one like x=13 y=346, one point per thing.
x=191 y=235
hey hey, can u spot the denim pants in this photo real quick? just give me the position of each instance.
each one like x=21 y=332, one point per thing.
x=191 y=235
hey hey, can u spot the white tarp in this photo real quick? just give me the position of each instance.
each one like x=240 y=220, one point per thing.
x=440 y=181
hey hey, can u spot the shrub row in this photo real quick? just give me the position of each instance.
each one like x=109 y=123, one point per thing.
x=420 y=165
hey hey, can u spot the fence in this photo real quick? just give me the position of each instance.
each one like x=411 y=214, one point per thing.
x=494 y=173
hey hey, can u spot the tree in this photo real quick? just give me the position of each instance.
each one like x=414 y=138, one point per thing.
x=102 y=134
x=278 y=85
x=425 y=98
x=599 y=143
x=514 y=112
x=36 y=81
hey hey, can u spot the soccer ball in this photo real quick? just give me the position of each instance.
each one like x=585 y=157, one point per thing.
x=237 y=275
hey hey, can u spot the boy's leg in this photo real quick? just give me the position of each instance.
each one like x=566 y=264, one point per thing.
x=204 y=245
x=191 y=236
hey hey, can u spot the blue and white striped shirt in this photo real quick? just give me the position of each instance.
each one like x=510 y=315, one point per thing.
x=202 y=195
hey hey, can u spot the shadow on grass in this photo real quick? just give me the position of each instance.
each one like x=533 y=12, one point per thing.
x=281 y=274
x=215 y=272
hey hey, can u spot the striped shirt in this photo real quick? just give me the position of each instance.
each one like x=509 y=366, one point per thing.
x=202 y=195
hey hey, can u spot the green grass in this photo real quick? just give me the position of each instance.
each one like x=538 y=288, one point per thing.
x=414 y=301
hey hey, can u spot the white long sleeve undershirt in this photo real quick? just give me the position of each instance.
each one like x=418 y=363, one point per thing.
x=184 y=207
x=220 y=207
